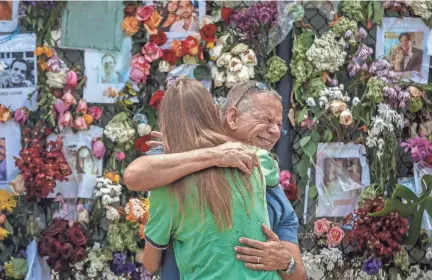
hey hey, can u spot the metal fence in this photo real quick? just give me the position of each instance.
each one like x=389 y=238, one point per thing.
x=288 y=147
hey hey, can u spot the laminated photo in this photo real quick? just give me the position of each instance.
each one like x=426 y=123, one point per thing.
x=8 y=15
x=10 y=146
x=405 y=43
x=178 y=19
x=18 y=77
x=342 y=173
x=106 y=72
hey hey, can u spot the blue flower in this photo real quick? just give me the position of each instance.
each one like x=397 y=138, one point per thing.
x=371 y=266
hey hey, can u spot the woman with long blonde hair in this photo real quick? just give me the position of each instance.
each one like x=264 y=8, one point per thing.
x=205 y=213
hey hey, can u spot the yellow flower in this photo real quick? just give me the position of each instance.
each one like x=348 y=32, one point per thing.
x=49 y=53
x=7 y=201
x=88 y=119
x=3 y=233
x=39 y=51
x=130 y=25
x=210 y=45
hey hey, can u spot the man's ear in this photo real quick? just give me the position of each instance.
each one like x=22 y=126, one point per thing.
x=232 y=115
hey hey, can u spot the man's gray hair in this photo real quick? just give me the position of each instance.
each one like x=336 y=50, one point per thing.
x=241 y=96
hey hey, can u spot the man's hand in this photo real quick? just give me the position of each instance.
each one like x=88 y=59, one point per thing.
x=269 y=255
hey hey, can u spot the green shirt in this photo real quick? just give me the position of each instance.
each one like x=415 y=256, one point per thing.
x=201 y=250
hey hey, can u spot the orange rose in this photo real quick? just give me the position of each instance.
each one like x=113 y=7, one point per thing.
x=39 y=51
x=5 y=113
x=152 y=23
x=190 y=45
x=176 y=46
x=88 y=119
x=130 y=25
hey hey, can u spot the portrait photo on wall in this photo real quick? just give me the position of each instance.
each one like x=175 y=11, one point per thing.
x=178 y=19
x=404 y=43
x=10 y=146
x=8 y=15
x=106 y=72
x=19 y=78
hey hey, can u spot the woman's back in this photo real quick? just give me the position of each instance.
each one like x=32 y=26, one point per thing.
x=202 y=251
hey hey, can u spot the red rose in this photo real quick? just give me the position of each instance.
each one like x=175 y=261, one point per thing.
x=141 y=143
x=159 y=39
x=67 y=251
x=63 y=237
x=76 y=236
x=54 y=249
x=170 y=56
x=80 y=255
x=156 y=99
x=43 y=245
x=291 y=192
x=57 y=225
x=190 y=45
x=208 y=32
x=59 y=265
x=226 y=13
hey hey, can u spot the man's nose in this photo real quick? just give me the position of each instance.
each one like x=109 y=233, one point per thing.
x=274 y=129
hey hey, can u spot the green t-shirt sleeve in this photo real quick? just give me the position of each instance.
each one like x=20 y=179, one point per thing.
x=269 y=167
x=159 y=226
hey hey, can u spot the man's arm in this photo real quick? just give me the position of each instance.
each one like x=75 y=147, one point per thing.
x=149 y=172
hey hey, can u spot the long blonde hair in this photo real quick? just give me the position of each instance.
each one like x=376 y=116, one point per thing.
x=189 y=120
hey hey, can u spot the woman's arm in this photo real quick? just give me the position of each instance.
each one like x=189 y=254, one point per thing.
x=152 y=258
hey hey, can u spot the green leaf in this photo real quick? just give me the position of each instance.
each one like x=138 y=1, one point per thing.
x=301 y=116
x=328 y=135
x=313 y=192
x=20 y=266
x=8 y=227
x=202 y=72
x=369 y=10
x=309 y=145
x=303 y=166
x=307 y=38
x=315 y=137
x=136 y=48
x=378 y=11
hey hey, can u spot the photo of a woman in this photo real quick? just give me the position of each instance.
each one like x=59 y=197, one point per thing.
x=169 y=14
x=397 y=58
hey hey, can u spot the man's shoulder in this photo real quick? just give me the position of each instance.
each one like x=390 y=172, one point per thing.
x=417 y=51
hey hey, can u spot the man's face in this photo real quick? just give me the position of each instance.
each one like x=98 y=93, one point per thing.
x=18 y=72
x=405 y=43
x=185 y=9
x=172 y=6
x=108 y=64
x=2 y=149
x=261 y=126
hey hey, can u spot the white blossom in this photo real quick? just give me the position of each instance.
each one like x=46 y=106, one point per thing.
x=144 y=129
x=108 y=191
x=119 y=132
x=429 y=253
x=112 y=214
x=356 y=101
x=311 y=102
x=327 y=53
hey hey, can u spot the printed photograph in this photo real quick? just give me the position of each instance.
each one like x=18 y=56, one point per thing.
x=3 y=166
x=404 y=43
x=82 y=160
x=110 y=70
x=336 y=169
x=6 y=8
x=19 y=71
x=8 y=15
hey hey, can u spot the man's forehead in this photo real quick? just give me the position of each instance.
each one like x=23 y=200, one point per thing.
x=268 y=105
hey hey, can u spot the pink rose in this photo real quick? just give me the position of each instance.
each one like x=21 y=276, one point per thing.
x=321 y=227
x=285 y=175
x=20 y=115
x=68 y=98
x=151 y=52
x=144 y=13
x=138 y=75
x=98 y=148
x=335 y=236
x=120 y=156
x=65 y=120
x=139 y=61
x=82 y=106
x=95 y=112
x=71 y=79
x=80 y=123
x=61 y=106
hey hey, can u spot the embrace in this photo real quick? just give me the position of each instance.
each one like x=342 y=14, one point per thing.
x=216 y=209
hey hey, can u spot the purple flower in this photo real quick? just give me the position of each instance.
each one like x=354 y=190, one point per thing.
x=420 y=149
x=348 y=34
x=334 y=82
x=362 y=34
x=119 y=258
x=353 y=69
x=402 y=105
x=364 y=67
x=371 y=266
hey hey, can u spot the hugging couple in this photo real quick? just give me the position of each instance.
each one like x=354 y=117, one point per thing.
x=216 y=209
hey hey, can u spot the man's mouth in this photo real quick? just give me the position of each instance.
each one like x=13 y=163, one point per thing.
x=268 y=142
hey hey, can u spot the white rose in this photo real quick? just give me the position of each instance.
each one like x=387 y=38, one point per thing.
x=205 y=20
x=251 y=70
x=144 y=129
x=226 y=40
x=235 y=65
x=224 y=60
x=164 y=66
x=239 y=48
x=248 y=58
x=218 y=76
x=216 y=52
x=232 y=79
x=337 y=107
x=346 y=117
x=244 y=74
x=56 y=80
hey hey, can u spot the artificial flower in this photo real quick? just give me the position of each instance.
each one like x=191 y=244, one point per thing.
x=224 y=60
x=335 y=236
x=321 y=227
x=61 y=106
x=20 y=115
x=177 y=47
x=159 y=39
x=144 y=129
x=164 y=66
x=208 y=33
x=64 y=120
x=218 y=76
x=71 y=79
x=5 y=113
x=80 y=124
x=81 y=107
x=141 y=143
x=239 y=48
x=151 y=52
x=190 y=45
x=130 y=25
x=95 y=112
x=68 y=98
x=156 y=99
x=346 y=117
x=170 y=56
x=98 y=148
x=56 y=79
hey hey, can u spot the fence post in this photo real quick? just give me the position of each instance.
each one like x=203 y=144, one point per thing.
x=284 y=147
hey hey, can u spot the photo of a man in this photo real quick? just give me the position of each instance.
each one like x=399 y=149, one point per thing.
x=6 y=10
x=188 y=21
x=412 y=56
x=110 y=75
x=18 y=75
x=3 y=169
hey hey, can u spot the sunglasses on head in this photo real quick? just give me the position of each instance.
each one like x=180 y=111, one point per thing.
x=256 y=85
